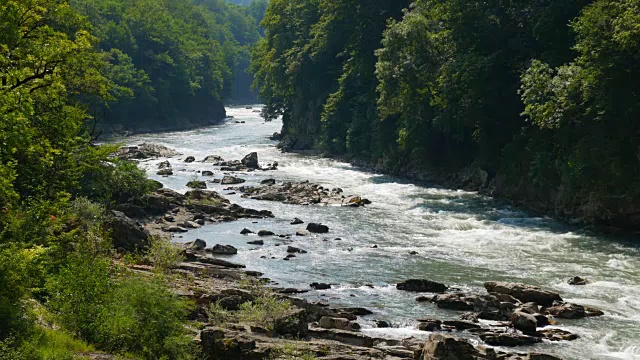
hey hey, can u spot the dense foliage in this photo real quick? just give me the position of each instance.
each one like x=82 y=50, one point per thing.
x=60 y=290
x=538 y=94
x=173 y=62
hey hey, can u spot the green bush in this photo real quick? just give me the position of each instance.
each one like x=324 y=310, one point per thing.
x=164 y=254
x=14 y=263
x=115 y=181
x=79 y=291
x=120 y=312
x=142 y=316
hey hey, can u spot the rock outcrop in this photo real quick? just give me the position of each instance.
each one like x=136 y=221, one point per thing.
x=304 y=193
x=126 y=233
x=524 y=293
x=145 y=151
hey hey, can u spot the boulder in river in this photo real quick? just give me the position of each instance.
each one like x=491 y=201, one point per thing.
x=145 y=151
x=317 y=228
x=276 y=136
x=246 y=231
x=207 y=173
x=524 y=293
x=454 y=301
x=197 y=245
x=565 y=310
x=224 y=250
x=524 y=322
x=256 y=242
x=189 y=159
x=577 y=280
x=200 y=185
x=421 y=285
x=320 y=286
x=164 y=165
x=268 y=182
x=557 y=335
x=231 y=180
x=297 y=221
x=265 y=233
x=165 y=172
x=509 y=339
x=383 y=324
x=295 y=250
x=251 y=161
x=213 y=159
x=303 y=193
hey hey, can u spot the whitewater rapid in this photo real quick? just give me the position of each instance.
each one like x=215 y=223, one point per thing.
x=463 y=239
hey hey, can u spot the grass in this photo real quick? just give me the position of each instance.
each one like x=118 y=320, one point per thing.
x=264 y=310
x=291 y=352
x=46 y=344
x=164 y=254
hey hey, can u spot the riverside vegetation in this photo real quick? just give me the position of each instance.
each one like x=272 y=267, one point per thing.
x=64 y=291
x=537 y=96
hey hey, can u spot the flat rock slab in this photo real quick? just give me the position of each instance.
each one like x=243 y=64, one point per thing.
x=304 y=193
x=524 y=293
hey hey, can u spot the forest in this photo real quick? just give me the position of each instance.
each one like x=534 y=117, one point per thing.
x=539 y=97
x=69 y=70
x=173 y=64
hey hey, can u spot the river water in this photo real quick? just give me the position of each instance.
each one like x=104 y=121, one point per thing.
x=463 y=239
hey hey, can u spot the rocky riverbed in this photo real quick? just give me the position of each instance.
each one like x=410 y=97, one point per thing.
x=508 y=315
x=457 y=239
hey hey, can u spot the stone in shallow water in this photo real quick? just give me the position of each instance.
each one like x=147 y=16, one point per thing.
x=524 y=293
x=421 y=285
x=577 y=280
x=231 y=180
x=201 y=185
x=320 y=286
x=224 y=250
x=317 y=228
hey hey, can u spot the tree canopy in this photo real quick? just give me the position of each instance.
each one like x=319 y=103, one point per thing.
x=538 y=94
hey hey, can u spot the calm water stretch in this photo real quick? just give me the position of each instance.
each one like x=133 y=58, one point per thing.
x=462 y=239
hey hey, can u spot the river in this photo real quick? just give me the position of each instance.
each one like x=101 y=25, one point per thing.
x=463 y=239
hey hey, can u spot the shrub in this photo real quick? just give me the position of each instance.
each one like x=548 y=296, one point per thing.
x=78 y=292
x=291 y=352
x=115 y=181
x=14 y=264
x=264 y=310
x=144 y=317
x=164 y=254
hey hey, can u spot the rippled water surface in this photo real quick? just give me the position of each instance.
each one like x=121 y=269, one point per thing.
x=462 y=239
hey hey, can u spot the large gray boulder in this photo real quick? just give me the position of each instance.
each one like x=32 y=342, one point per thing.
x=231 y=180
x=251 y=161
x=126 y=233
x=524 y=293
